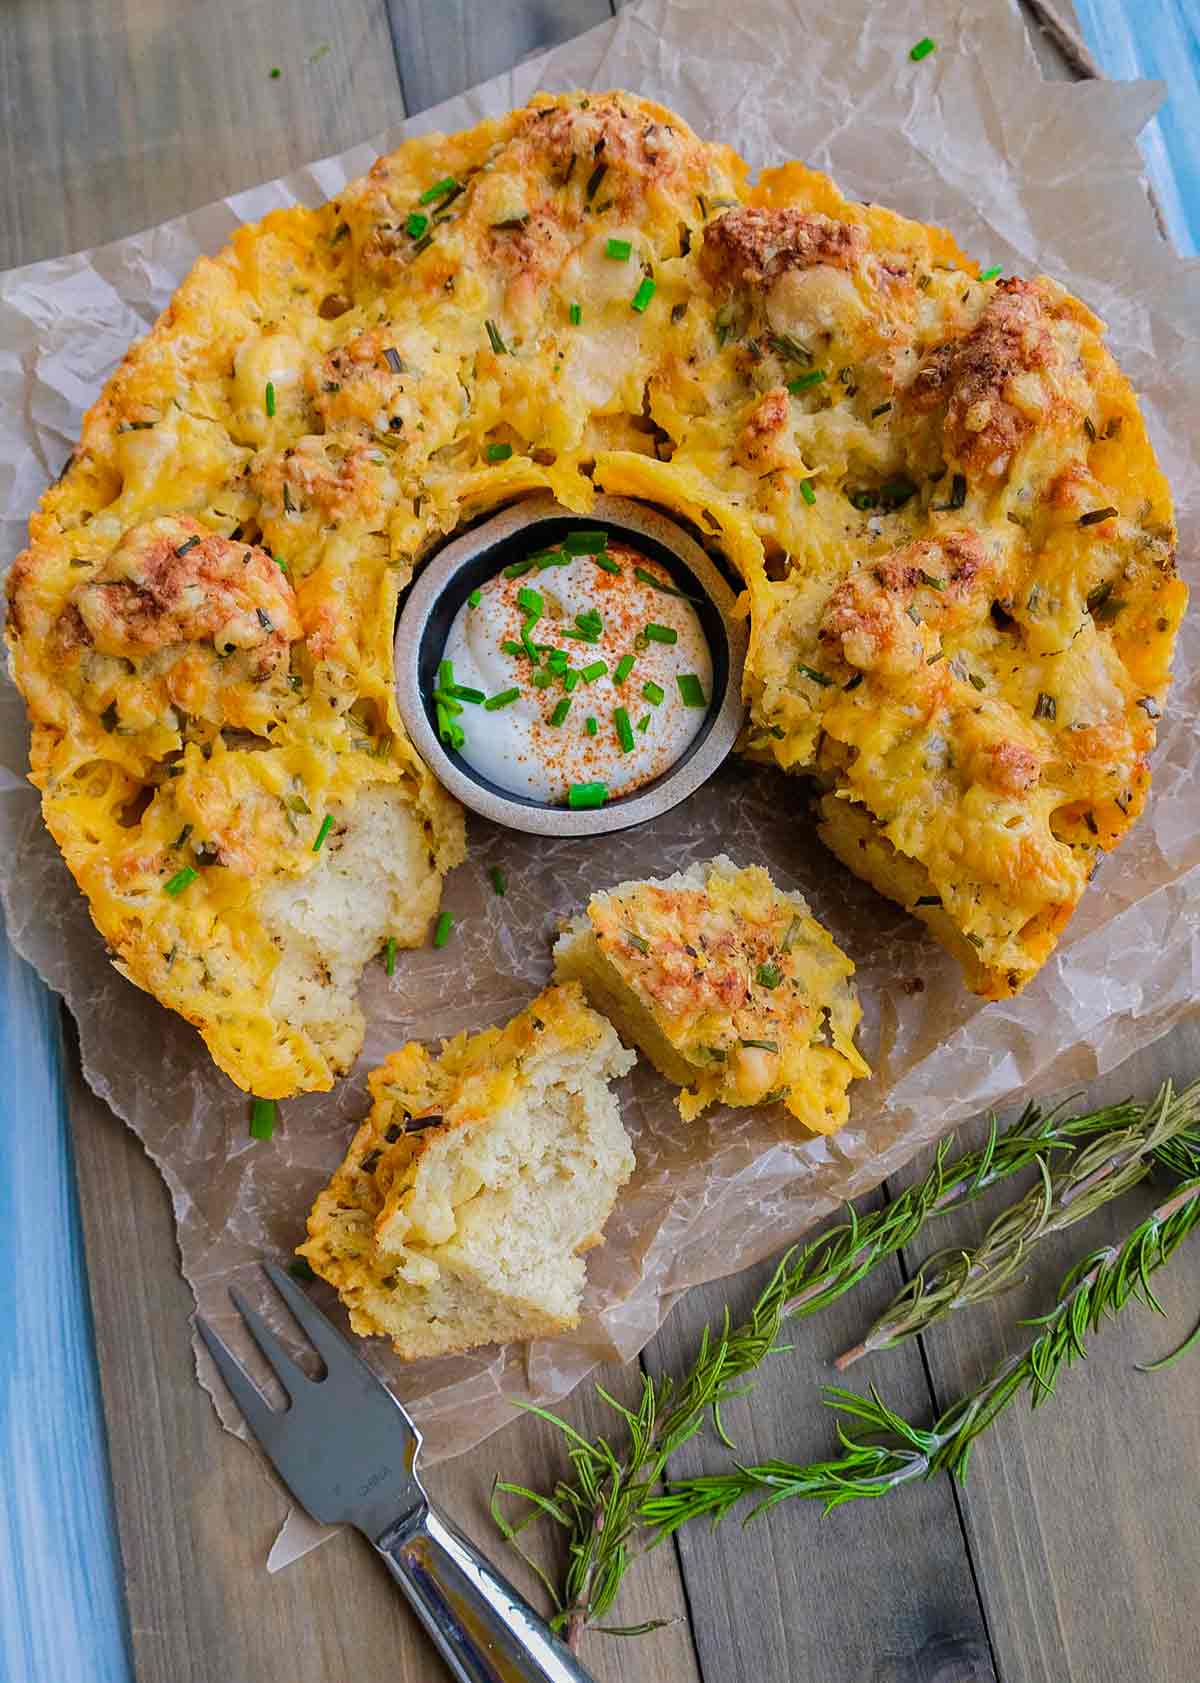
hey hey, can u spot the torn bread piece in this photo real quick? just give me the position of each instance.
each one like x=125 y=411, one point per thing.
x=482 y=1173
x=730 y=986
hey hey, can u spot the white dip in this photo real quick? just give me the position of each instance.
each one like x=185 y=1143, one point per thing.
x=539 y=743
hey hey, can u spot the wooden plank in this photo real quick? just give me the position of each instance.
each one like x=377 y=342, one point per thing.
x=874 y=1591
x=1081 y=1516
x=198 y=1513
x=121 y=113
x=62 y=1611
x=451 y=45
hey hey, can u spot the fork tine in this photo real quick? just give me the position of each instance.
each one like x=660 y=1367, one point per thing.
x=289 y=1373
x=258 y=1415
x=330 y=1345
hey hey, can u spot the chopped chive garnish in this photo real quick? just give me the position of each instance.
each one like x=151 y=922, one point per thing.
x=499 y=880
x=511 y=648
x=658 y=584
x=932 y=580
x=445 y=924
x=438 y=190
x=326 y=826
x=176 y=884
x=1045 y=707
x=624 y=729
x=584 y=795
x=643 y=295
x=624 y=668
x=928 y=900
x=270 y=399
x=529 y=648
x=590 y=725
x=807 y=492
x=607 y=562
x=449 y=732
x=515 y=569
x=618 y=250
x=530 y=602
x=416 y=224
x=660 y=633
x=588 y=625
x=389 y=956
x=575 y=314
x=274 y=72
x=474 y=599
x=570 y=679
x=262 y=1111
x=445 y=675
x=1095 y=515
x=594 y=180
x=560 y=712
x=493 y=333
x=811 y=672
x=542 y=680
x=464 y=692
x=551 y=558
x=449 y=703
x=498 y=452
x=922 y=49
x=977 y=682
x=802 y=382
x=556 y=659
x=768 y=975
x=597 y=669
x=880 y=409
x=585 y=543
x=653 y=692
x=990 y=274
x=643 y=723
x=762 y=1045
x=188 y=543
x=501 y=699
x=691 y=690
x=638 y=942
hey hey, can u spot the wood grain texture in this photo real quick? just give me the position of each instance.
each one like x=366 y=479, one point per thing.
x=876 y=1593
x=199 y=1511
x=120 y=113
x=62 y=1612
x=1081 y=1514
x=444 y=46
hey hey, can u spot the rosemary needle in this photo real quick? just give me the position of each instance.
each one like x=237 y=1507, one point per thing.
x=1091 y=1177
x=891 y=1452
x=613 y=1504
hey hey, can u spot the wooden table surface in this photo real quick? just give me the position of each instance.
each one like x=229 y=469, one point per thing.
x=1071 y=1554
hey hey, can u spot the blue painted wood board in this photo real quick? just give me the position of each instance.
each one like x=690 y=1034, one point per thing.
x=62 y=1610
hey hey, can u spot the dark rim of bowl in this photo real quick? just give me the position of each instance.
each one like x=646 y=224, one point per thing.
x=477 y=555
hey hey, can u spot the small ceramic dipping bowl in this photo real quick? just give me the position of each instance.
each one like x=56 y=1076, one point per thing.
x=539 y=522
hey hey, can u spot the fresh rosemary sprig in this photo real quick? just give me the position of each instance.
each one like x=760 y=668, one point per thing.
x=1112 y=1163
x=886 y=1451
x=605 y=1507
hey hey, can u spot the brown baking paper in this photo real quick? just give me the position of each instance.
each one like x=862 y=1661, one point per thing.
x=1029 y=175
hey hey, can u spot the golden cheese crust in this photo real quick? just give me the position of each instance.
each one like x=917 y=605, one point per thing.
x=480 y=1176
x=729 y=985
x=956 y=543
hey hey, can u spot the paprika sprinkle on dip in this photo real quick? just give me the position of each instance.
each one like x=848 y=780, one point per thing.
x=540 y=677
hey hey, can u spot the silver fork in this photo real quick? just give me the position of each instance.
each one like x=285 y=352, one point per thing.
x=348 y=1452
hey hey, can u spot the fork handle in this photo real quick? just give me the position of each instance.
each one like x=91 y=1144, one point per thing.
x=484 y=1630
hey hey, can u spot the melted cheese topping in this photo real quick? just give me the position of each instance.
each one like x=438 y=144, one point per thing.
x=821 y=387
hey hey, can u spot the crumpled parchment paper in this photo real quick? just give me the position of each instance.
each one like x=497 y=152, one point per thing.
x=1030 y=175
